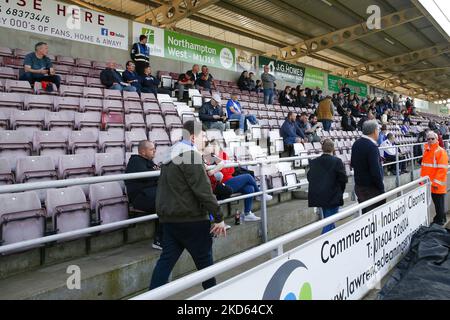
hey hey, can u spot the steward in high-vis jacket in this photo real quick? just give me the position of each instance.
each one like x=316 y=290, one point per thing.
x=435 y=166
x=140 y=54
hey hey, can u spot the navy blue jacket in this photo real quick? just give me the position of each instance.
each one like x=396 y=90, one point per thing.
x=290 y=131
x=367 y=164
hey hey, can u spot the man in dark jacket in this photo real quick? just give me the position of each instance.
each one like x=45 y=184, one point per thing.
x=290 y=131
x=183 y=201
x=348 y=123
x=142 y=192
x=131 y=77
x=327 y=179
x=367 y=166
x=112 y=79
x=140 y=54
x=212 y=115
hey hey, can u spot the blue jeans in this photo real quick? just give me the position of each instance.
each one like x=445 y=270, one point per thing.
x=326 y=124
x=195 y=237
x=268 y=96
x=123 y=88
x=244 y=184
x=328 y=212
x=243 y=120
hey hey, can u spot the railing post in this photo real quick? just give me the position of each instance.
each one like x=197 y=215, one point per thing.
x=263 y=204
x=397 y=168
x=412 y=163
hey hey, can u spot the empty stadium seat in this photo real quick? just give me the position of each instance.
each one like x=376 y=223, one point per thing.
x=32 y=101
x=87 y=104
x=68 y=209
x=11 y=99
x=81 y=142
x=172 y=121
x=6 y=52
x=67 y=103
x=60 y=121
x=134 y=121
x=18 y=86
x=6 y=175
x=35 y=168
x=132 y=139
x=83 y=63
x=154 y=121
x=75 y=166
x=112 y=94
x=8 y=73
x=70 y=91
x=112 y=142
x=176 y=134
x=88 y=120
x=148 y=97
x=133 y=107
x=89 y=92
x=109 y=163
x=168 y=108
x=159 y=136
x=108 y=202
x=94 y=83
x=21 y=217
x=113 y=121
x=50 y=143
x=75 y=80
x=14 y=144
x=64 y=60
x=151 y=107
x=112 y=105
x=81 y=71
x=131 y=96
x=27 y=121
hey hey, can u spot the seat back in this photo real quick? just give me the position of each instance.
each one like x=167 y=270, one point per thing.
x=108 y=202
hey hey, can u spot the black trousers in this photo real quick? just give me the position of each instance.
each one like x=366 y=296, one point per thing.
x=145 y=201
x=402 y=165
x=140 y=67
x=439 y=204
x=32 y=78
x=366 y=193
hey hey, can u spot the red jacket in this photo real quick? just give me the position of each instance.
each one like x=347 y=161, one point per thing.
x=227 y=172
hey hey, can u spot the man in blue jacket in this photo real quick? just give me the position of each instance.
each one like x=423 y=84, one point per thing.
x=290 y=131
x=140 y=54
x=367 y=165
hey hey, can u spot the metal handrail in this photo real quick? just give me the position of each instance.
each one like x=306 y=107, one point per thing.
x=223 y=266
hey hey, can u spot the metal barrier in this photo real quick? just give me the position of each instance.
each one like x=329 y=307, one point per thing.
x=277 y=244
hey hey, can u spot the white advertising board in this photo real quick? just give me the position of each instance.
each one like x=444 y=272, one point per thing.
x=58 y=19
x=155 y=38
x=343 y=264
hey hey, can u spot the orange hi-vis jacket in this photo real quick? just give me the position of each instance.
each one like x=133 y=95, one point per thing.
x=435 y=165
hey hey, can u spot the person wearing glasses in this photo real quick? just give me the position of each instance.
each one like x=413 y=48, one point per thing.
x=435 y=166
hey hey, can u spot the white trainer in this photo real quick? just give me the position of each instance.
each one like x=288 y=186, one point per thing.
x=251 y=217
x=268 y=197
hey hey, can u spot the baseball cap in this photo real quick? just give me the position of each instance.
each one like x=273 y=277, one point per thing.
x=217 y=98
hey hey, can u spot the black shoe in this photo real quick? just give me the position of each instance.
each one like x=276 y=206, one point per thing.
x=157 y=245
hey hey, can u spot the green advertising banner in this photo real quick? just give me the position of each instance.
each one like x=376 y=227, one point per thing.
x=336 y=83
x=314 y=78
x=283 y=70
x=182 y=47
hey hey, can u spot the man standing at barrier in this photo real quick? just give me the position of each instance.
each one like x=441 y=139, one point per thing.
x=183 y=202
x=367 y=166
x=142 y=192
x=435 y=166
x=327 y=179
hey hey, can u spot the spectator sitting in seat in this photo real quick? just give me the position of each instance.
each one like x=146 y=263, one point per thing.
x=187 y=80
x=302 y=121
x=243 y=82
x=363 y=119
x=112 y=79
x=212 y=115
x=206 y=80
x=258 y=86
x=348 y=123
x=149 y=83
x=131 y=77
x=291 y=132
x=234 y=111
x=311 y=129
x=389 y=152
x=383 y=134
x=251 y=82
x=301 y=99
x=38 y=67
x=244 y=183
x=284 y=99
x=142 y=192
x=327 y=179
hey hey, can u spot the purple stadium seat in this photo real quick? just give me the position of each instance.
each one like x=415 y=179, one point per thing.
x=132 y=139
x=161 y=151
x=83 y=63
x=32 y=101
x=82 y=142
x=112 y=142
x=131 y=96
x=62 y=69
x=99 y=65
x=159 y=136
x=154 y=121
x=50 y=143
x=20 y=53
x=84 y=72
x=133 y=107
x=5 y=114
x=6 y=175
x=75 y=80
x=113 y=121
x=75 y=166
x=176 y=134
x=172 y=121
x=67 y=103
x=96 y=93
x=88 y=120
x=94 y=83
x=88 y=104
x=168 y=108
x=35 y=168
x=134 y=121
x=94 y=73
x=6 y=52
x=109 y=163
x=63 y=60
x=21 y=218
x=70 y=91
x=8 y=73
x=60 y=121
x=151 y=107
x=108 y=202
x=27 y=121
x=11 y=100
x=112 y=105
x=112 y=94
x=14 y=144
x=148 y=97
x=68 y=209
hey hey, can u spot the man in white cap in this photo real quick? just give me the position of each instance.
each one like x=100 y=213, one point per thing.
x=212 y=115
